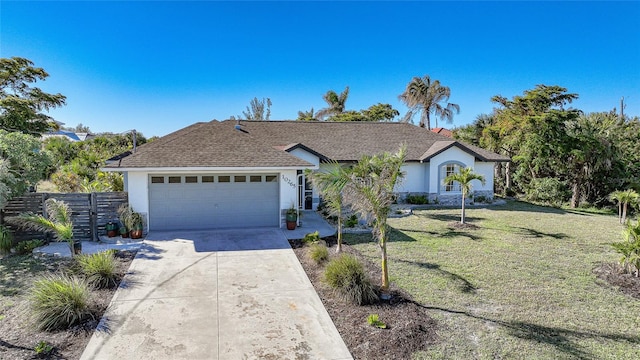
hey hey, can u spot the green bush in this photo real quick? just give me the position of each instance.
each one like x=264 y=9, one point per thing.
x=346 y=275
x=318 y=253
x=311 y=238
x=548 y=191
x=100 y=269
x=630 y=248
x=417 y=199
x=374 y=320
x=27 y=246
x=59 y=302
x=43 y=349
x=352 y=221
x=6 y=240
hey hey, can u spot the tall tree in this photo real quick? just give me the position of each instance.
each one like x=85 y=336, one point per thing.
x=24 y=160
x=306 y=115
x=464 y=178
x=21 y=105
x=624 y=198
x=330 y=184
x=336 y=103
x=425 y=96
x=380 y=112
x=370 y=192
x=258 y=110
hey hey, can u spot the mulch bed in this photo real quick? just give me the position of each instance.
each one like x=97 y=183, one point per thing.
x=18 y=336
x=613 y=275
x=409 y=327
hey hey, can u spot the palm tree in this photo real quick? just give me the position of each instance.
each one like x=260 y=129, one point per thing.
x=336 y=103
x=370 y=192
x=464 y=177
x=330 y=184
x=423 y=95
x=306 y=115
x=58 y=221
x=624 y=198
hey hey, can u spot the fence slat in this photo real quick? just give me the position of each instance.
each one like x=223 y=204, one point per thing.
x=89 y=212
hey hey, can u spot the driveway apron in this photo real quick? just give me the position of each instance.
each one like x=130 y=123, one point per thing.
x=221 y=294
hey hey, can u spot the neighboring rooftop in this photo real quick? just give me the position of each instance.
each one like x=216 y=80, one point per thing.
x=267 y=144
x=443 y=131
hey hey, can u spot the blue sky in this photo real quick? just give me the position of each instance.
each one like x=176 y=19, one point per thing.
x=160 y=66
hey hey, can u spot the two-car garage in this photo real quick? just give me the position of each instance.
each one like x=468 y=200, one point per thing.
x=212 y=201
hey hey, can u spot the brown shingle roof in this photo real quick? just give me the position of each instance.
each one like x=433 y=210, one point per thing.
x=265 y=144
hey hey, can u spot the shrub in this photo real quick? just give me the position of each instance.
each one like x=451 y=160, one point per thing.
x=548 y=191
x=311 y=238
x=60 y=301
x=630 y=249
x=352 y=221
x=346 y=275
x=6 y=240
x=27 y=246
x=318 y=253
x=99 y=268
x=417 y=199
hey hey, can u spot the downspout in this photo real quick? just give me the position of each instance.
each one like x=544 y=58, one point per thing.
x=299 y=195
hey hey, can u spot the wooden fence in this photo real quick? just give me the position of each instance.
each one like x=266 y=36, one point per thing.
x=89 y=212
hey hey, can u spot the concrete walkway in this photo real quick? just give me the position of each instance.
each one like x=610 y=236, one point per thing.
x=224 y=294
x=310 y=221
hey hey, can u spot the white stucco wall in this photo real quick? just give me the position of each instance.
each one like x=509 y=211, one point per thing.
x=288 y=188
x=451 y=154
x=137 y=186
x=414 y=178
x=485 y=169
x=302 y=154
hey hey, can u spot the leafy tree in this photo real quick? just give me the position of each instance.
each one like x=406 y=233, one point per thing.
x=58 y=221
x=624 y=198
x=472 y=133
x=330 y=184
x=7 y=180
x=464 y=178
x=21 y=105
x=306 y=115
x=350 y=115
x=24 y=160
x=370 y=192
x=336 y=103
x=423 y=95
x=380 y=112
x=78 y=128
x=257 y=110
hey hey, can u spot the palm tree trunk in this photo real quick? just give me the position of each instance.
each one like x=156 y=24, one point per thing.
x=575 y=195
x=624 y=213
x=384 y=286
x=462 y=216
x=339 y=246
x=620 y=212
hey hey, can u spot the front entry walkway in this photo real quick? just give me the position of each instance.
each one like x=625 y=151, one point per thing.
x=224 y=294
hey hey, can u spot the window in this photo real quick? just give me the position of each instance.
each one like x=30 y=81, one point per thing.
x=255 y=178
x=239 y=179
x=175 y=179
x=207 y=179
x=157 y=179
x=224 y=179
x=446 y=170
x=271 y=178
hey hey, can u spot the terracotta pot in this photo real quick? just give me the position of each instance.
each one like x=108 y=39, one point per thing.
x=136 y=233
x=291 y=225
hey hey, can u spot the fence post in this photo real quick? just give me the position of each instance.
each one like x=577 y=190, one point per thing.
x=93 y=216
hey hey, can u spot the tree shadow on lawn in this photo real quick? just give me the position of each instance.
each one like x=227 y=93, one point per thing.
x=539 y=234
x=463 y=284
x=561 y=339
x=449 y=217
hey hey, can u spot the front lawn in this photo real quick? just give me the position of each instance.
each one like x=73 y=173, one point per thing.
x=520 y=285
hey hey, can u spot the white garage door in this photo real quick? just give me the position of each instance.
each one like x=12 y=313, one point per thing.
x=180 y=202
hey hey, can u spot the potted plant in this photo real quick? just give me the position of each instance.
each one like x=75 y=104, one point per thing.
x=111 y=228
x=136 y=226
x=292 y=218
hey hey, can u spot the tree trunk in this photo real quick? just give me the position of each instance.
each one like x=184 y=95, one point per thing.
x=339 y=246
x=462 y=216
x=575 y=196
x=620 y=212
x=624 y=213
x=384 y=286
x=508 y=175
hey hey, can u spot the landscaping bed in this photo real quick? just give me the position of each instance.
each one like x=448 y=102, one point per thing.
x=18 y=335
x=409 y=327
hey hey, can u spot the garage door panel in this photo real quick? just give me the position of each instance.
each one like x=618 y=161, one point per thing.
x=213 y=205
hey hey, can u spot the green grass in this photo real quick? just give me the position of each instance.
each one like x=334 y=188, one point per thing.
x=519 y=286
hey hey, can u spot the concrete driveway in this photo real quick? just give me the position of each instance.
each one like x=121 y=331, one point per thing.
x=224 y=294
